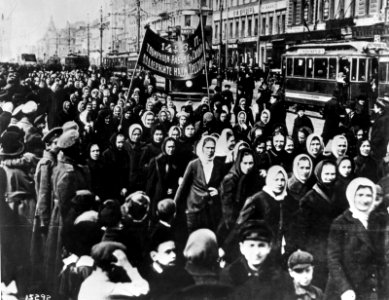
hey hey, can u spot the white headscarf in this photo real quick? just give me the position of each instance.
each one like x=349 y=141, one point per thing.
x=295 y=165
x=221 y=146
x=336 y=140
x=271 y=175
x=199 y=148
x=309 y=141
x=352 y=188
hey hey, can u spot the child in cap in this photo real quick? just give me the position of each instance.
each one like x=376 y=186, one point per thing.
x=300 y=265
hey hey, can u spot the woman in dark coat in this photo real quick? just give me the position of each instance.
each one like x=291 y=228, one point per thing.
x=163 y=174
x=345 y=173
x=104 y=128
x=271 y=205
x=276 y=155
x=97 y=171
x=365 y=164
x=198 y=194
x=117 y=165
x=152 y=149
x=186 y=146
x=134 y=146
x=242 y=129
x=314 y=219
x=298 y=184
x=355 y=264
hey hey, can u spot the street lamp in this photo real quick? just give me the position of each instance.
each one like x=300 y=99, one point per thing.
x=219 y=69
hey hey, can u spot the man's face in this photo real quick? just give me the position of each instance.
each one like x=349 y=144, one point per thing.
x=300 y=113
x=165 y=255
x=119 y=142
x=53 y=146
x=302 y=278
x=255 y=252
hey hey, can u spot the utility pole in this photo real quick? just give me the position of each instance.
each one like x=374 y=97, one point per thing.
x=259 y=57
x=102 y=27
x=88 y=38
x=227 y=35
x=69 y=40
x=138 y=25
x=219 y=69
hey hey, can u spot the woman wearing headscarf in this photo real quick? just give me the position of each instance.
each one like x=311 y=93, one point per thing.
x=175 y=132
x=356 y=267
x=339 y=147
x=263 y=122
x=315 y=148
x=129 y=118
x=152 y=149
x=186 y=146
x=163 y=119
x=241 y=182
x=242 y=106
x=104 y=128
x=345 y=173
x=365 y=164
x=163 y=174
x=224 y=148
x=272 y=205
x=134 y=146
x=314 y=218
x=97 y=171
x=148 y=119
x=198 y=194
x=298 y=184
x=276 y=155
x=242 y=129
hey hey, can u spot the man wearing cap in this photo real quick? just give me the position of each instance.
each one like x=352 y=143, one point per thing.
x=110 y=258
x=227 y=96
x=254 y=275
x=217 y=96
x=300 y=265
x=300 y=121
x=380 y=128
x=69 y=176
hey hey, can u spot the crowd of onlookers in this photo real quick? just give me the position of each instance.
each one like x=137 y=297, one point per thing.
x=111 y=193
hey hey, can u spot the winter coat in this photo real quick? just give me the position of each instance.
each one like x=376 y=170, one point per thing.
x=331 y=116
x=68 y=178
x=354 y=261
x=380 y=135
x=136 y=175
x=366 y=166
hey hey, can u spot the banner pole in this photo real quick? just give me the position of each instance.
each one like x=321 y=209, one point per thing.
x=136 y=66
x=204 y=53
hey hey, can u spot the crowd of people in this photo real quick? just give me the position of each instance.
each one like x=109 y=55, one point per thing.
x=112 y=193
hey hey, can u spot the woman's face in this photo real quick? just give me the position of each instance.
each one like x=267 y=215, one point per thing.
x=209 y=149
x=163 y=116
x=241 y=118
x=149 y=121
x=279 y=142
x=135 y=136
x=247 y=163
x=175 y=134
x=231 y=142
x=365 y=148
x=279 y=183
x=107 y=120
x=94 y=152
x=268 y=145
x=158 y=136
x=182 y=121
x=303 y=169
x=260 y=148
x=264 y=118
x=289 y=146
x=301 y=137
x=314 y=146
x=341 y=147
x=189 y=131
x=363 y=199
x=170 y=148
x=170 y=104
x=345 y=168
x=149 y=105
x=328 y=174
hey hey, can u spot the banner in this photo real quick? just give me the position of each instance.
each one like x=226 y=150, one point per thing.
x=174 y=60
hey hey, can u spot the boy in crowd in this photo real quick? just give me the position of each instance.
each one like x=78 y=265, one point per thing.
x=300 y=265
x=254 y=275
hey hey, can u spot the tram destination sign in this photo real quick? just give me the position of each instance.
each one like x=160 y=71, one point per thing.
x=318 y=51
x=174 y=60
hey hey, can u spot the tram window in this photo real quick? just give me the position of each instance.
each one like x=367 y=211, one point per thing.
x=309 y=67
x=321 y=66
x=289 y=67
x=362 y=69
x=383 y=72
x=332 y=68
x=354 y=69
x=299 y=67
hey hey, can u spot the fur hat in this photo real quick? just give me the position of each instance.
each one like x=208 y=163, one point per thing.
x=68 y=138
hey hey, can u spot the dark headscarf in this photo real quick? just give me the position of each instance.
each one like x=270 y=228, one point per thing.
x=325 y=187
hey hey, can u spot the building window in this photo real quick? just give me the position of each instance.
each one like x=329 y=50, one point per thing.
x=225 y=30
x=367 y=7
x=326 y=10
x=278 y=25
x=187 y=21
x=243 y=28
x=270 y=25
x=263 y=29
x=256 y=26
x=237 y=28
x=294 y=13
x=249 y=25
x=216 y=30
x=231 y=29
x=283 y=23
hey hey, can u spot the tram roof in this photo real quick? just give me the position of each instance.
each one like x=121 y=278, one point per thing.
x=354 y=46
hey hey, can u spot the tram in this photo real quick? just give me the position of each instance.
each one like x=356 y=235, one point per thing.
x=74 y=61
x=383 y=74
x=313 y=71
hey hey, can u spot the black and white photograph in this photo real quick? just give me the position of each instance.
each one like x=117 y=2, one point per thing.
x=194 y=149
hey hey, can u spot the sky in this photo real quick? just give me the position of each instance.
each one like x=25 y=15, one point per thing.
x=30 y=18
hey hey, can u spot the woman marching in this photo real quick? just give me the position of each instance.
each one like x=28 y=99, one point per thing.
x=355 y=264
